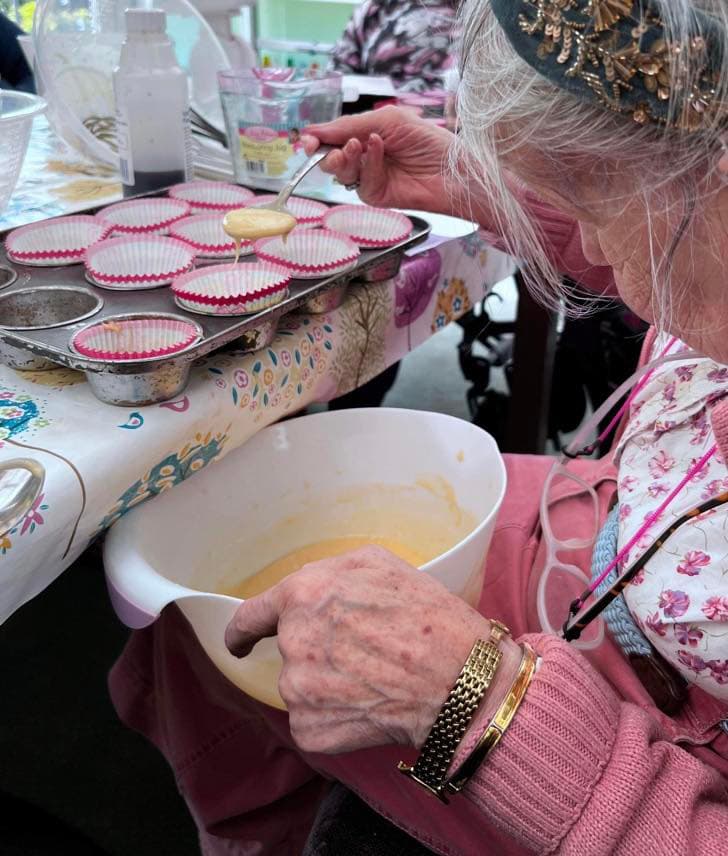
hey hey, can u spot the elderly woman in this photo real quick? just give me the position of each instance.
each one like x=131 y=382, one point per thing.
x=592 y=140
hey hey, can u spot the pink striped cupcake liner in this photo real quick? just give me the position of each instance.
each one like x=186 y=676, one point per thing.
x=121 y=338
x=234 y=289
x=309 y=253
x=205 y=234
x=62 y=241
x=307 y=212
x=144 y=216
x=367 y=226
x=206 y=196
x=142 y=261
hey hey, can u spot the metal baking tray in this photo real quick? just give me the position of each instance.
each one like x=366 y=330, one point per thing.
x=129 y=382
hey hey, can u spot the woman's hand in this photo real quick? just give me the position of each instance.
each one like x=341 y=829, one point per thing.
x=397 y=158
x=371 y=648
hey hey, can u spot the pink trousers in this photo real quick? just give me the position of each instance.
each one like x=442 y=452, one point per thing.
x=248 y=787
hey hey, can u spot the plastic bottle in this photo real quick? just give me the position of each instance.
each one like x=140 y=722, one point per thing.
x=152 y=107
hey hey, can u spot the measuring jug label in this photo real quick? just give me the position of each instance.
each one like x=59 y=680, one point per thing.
x=266 y=152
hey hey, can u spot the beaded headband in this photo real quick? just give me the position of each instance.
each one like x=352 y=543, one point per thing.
x=616 y=52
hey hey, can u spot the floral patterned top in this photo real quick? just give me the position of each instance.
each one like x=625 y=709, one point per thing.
x=680 y=599
x=409 y=40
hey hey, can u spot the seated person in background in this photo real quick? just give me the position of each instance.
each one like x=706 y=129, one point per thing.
x=15 y=73
x=409 y=40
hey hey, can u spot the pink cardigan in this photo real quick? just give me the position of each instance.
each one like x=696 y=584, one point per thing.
x=581 y=771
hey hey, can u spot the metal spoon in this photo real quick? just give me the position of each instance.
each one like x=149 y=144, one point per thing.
x=231 y=220
x=21 y=482
x=279 y=203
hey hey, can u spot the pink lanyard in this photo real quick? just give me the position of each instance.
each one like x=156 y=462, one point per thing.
x=649 y=521
x=638 y=387
x=652 y=518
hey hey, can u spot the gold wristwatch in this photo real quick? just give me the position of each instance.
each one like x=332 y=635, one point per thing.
x=438 y=750
x=499 y=723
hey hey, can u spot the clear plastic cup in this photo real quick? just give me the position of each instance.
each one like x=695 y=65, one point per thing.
x=266 y=111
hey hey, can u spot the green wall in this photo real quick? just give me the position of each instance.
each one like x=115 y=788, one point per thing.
x=306 y=20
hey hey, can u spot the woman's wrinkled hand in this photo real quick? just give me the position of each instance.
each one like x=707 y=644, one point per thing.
x=371 y=648
x=396 y=158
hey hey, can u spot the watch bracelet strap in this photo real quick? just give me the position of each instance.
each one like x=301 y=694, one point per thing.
x=498 y=724
x=455 y=716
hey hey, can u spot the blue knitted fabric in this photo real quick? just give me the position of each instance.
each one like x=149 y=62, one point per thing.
x=617 y=616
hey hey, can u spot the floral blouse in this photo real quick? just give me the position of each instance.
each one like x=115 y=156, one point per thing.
x=680 y=599
x=409 y=40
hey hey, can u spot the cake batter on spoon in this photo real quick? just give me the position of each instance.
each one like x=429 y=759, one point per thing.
x=250 y=224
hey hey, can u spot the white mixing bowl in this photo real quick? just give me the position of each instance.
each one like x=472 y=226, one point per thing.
x=293 y=484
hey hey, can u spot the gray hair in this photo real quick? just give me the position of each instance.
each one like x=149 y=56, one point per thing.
x=504 y=105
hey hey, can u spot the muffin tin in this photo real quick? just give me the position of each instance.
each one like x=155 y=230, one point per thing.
x=62 y=302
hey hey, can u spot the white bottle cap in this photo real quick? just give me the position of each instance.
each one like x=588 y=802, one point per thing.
x=145 y=21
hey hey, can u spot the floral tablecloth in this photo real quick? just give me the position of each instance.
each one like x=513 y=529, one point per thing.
x=102 y=461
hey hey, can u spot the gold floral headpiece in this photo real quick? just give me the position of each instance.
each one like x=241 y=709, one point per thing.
x=617 y=52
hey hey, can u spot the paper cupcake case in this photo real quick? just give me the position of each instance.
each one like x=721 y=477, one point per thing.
x=121 y=338
x=367 y=226
x=63 y=240
x=142 y=261
x=206 y=196
x=144 y=216
x=204 y=233
x=309 y=253
x=307 y=212
x=249 y=306
x=232 y=289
